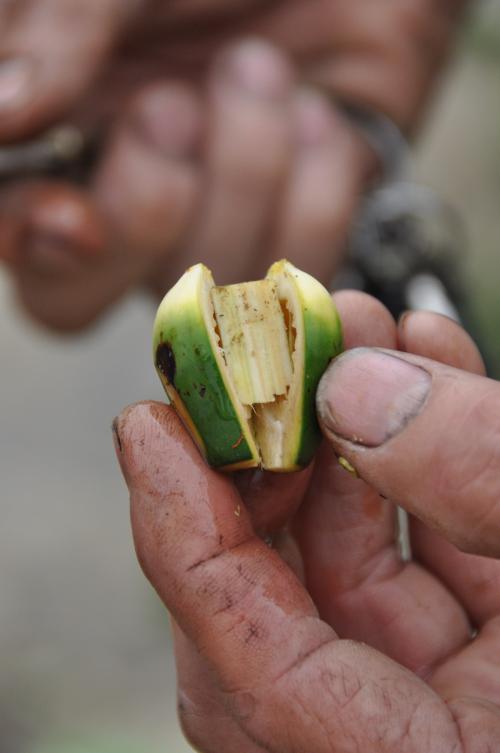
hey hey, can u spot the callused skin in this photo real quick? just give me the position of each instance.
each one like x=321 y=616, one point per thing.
x=190 y=363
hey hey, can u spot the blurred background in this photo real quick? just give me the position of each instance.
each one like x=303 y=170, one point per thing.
x=85 y=659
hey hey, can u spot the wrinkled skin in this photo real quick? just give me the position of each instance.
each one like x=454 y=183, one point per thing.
x=200 y=121
x=328 y=642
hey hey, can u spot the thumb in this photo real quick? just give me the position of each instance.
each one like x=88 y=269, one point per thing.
x=422 y=434
x=50 y=50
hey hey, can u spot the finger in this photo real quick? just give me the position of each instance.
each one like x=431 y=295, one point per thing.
x=474 y=580
x=53 y=238
x=347 y=537
x=50 y=51
x=50 y=226
x=149 y=182
x=247 y=153
x=371 y=57
x=271 y=499
x=473 y=672
x=374 y=326
x=143 y=194
x=205 y=720
x=222 y=539
x=278 y=665
x=441 y=339
x=328 y=175
x=202 y=707
x=422 y=434
x=11 y=227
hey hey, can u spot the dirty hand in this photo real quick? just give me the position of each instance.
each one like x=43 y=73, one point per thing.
x=327 y=641
x=219 y=149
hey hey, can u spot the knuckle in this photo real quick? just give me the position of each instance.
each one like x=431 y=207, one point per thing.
x=195 y=725
x=469 y=479
x=248 y=173
x=477 y=724
x=480 y=533
x=321 y=224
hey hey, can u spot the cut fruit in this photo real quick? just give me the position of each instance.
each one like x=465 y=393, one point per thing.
x=241 y=364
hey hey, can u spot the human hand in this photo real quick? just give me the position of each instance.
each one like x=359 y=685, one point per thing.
x=205 y=160
x=367 y=652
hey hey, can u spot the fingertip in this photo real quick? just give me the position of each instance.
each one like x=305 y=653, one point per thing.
x=365 y=321
x=439 y=338
x=55 y=211
x=147 y=184
x=314 y=120
x=159 y=459
x=49 y=57
x=367 y=396
x=167 y=117
x=255 y=67
x=140 y=431
x=63 y=232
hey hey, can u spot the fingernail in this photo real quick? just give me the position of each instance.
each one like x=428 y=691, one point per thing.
x=168 y=120
x=313 y=119
x=16 y=76
x=368 y=396
x=258 y=69
x=117 y=442
x=402 y=319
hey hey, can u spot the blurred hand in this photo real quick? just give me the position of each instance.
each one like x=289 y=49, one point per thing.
x=328 y=641
x=219 y=149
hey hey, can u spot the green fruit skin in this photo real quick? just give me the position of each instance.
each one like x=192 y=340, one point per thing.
x=189 y=372
x=323 y=340
x=322 y=343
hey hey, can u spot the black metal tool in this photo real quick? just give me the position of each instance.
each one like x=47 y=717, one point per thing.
x=407 y=248
x=63 y=152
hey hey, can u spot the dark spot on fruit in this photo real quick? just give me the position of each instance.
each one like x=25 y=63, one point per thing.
x=197 y=351
x=203 y=390
x=165 y=361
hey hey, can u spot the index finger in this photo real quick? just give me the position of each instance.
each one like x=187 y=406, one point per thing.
x=190 y=521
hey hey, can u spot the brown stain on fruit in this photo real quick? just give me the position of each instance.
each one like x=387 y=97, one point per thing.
x=165 y=361
x=238 y=442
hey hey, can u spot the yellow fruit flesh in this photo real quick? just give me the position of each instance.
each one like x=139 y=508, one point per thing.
x=257 y=342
